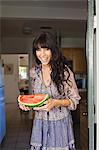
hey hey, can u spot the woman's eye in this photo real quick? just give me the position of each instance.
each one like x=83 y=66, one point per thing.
x=47 y=49
x=38 y=49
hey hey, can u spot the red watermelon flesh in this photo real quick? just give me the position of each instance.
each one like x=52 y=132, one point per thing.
x=33 y=100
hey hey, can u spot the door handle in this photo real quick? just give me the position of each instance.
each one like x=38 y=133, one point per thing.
x=85 y=114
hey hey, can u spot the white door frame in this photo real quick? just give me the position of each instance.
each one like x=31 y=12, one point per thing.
x=90 y=72
x=97 y=72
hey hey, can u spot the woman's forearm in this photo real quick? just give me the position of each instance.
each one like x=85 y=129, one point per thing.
x=62 y=102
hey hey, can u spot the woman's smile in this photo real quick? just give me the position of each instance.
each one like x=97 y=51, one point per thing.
x=44 y=55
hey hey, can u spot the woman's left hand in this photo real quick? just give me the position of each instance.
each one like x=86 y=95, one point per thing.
x=49 y=104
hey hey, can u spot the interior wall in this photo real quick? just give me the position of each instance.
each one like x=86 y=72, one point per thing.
x=23 y=60
x=16 y=45
x=43 y=12
x=10 y=77
x=73 y=42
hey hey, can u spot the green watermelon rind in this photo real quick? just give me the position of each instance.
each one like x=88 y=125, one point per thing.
x=39 y=104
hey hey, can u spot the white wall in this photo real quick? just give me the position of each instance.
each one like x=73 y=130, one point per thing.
x=43 y=12
x=11 y=80
x=17 y=45
x=73 y=42
x=23 y=60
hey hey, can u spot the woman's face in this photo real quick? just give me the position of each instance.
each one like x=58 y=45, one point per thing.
x=44 y=55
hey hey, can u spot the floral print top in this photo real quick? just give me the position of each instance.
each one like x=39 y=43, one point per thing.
x=71 y=93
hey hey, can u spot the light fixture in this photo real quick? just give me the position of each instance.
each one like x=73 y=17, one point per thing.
x=27 y=30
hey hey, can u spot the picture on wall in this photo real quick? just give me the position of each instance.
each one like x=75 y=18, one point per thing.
x=8 y=68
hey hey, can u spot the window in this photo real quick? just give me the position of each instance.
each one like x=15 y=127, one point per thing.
x=23 y=72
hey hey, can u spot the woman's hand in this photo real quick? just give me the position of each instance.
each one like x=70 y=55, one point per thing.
x=49 y=104
x=23 y=107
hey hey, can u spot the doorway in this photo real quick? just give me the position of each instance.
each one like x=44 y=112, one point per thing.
x=23 y=67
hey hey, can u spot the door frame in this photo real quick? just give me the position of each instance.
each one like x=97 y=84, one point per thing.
x=90 y=72
x=97 y=74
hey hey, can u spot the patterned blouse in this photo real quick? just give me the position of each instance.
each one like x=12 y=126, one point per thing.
x=58 y=115
x=71 y=93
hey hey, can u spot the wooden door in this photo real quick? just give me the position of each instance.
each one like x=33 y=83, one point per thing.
x=79 y=61
x=67 y=53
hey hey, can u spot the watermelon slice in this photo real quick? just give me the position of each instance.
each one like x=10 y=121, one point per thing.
x=33 y=100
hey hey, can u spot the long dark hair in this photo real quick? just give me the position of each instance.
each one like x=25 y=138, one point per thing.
x=57 y=62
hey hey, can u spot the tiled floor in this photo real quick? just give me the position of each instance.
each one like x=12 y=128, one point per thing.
x=19 y=127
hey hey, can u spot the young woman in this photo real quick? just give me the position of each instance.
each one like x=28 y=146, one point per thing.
x=52 y=127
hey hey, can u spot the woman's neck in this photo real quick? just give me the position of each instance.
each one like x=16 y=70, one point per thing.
x=46 y=66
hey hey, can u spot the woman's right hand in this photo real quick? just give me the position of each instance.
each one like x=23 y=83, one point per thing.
x=23 y=107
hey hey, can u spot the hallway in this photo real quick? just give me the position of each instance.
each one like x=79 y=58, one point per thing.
x=19 y=127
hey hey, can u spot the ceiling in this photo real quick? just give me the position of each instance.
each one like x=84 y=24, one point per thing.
x=47 y=3
x=27 y=27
